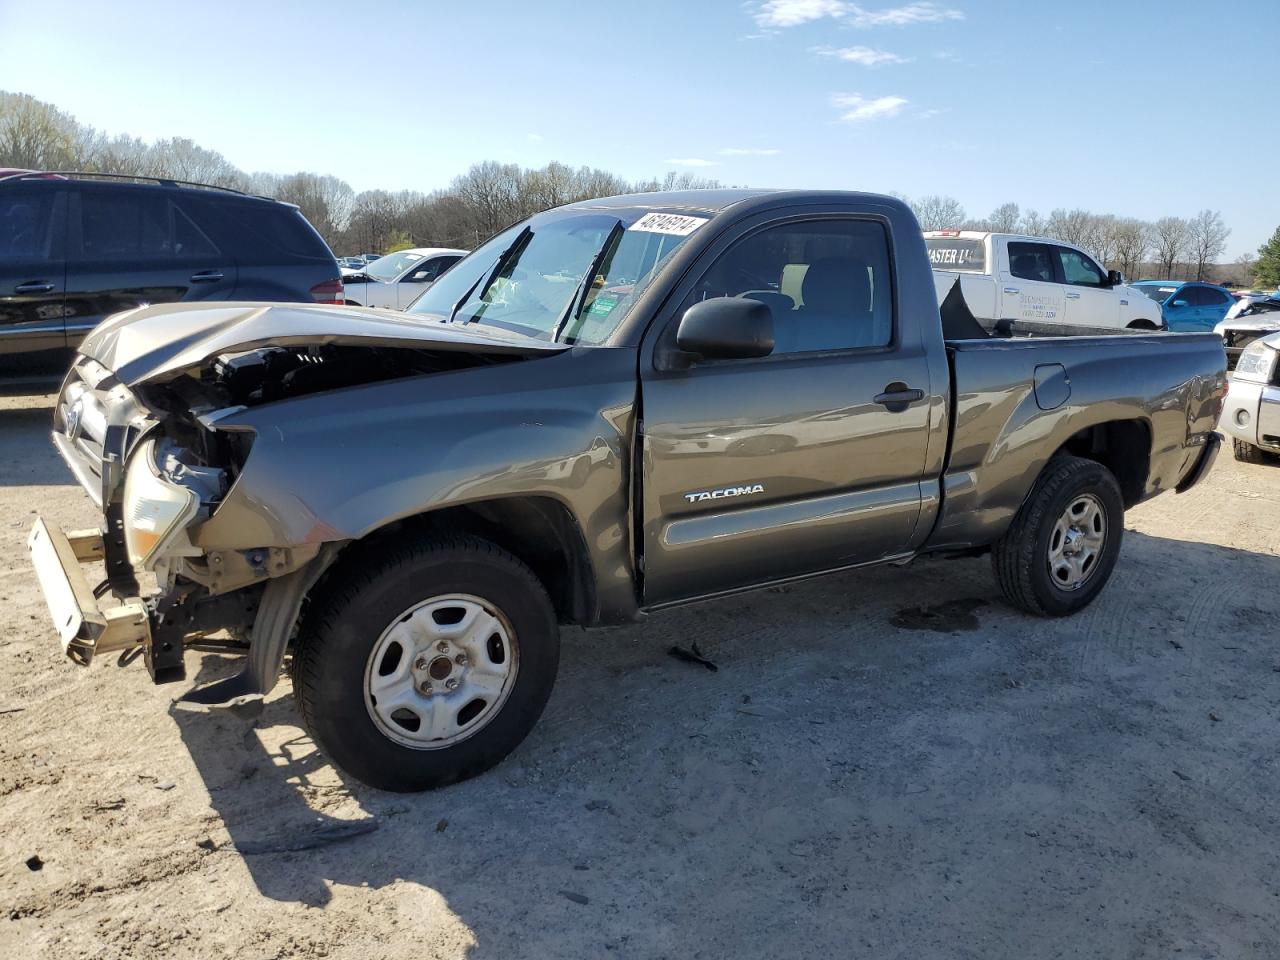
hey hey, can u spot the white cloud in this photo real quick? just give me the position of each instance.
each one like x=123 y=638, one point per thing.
x=793 y=13
x=855 y=108
x=865 y=56
x=749 y=152
x=535 y=137
x=926 y=12
x=690 y=162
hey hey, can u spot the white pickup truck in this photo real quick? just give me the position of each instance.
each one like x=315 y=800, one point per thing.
x=1035 y=281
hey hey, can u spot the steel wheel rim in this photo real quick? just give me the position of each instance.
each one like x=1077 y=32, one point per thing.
x=441 y=671
x=1076 y=543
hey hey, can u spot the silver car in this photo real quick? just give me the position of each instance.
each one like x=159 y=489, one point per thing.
x=1251 y=414
x=1248 y=320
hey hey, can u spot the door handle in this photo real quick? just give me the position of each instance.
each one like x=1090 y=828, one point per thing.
x=206 y=276
x=1073 y=296
x=898 y=396
x=33 y=286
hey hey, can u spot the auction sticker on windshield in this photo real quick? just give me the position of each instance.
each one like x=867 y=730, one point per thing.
x=675 y=224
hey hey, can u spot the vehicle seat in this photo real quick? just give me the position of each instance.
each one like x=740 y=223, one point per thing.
x=1028 y=267
x=779 y=304
x=837 y=309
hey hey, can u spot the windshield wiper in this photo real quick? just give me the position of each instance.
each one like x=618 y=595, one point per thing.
x=492 y=275
x=584 y=285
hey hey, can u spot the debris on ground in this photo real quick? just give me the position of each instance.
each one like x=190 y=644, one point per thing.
x=309 y=839
x=575 y=897
x=693 y=655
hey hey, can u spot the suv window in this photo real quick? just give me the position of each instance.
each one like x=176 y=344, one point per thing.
x=275 y=225
x=26 y=224
x=1079 y=270
x=119 y=225
x=1031 y=261
x=826 y=282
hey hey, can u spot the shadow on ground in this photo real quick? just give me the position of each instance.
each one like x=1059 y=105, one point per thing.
x=26 y=450
x=861 y=773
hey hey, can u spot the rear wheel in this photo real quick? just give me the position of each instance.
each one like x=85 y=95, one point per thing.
x=1246 y=452
x=1059 y=552
x=428 y=665
x=1143 y=325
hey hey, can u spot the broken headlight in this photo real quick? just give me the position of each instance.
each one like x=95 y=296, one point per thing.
x=161 y=496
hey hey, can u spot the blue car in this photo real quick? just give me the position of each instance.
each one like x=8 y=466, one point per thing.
x=1188 y=307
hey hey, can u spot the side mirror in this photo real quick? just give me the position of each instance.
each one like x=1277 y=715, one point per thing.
x=1114 y=278
x=1178 y=303
x=727 y=328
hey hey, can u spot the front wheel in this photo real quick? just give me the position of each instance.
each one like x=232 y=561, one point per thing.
x=427 y=665
x=1246 y=452
x=1059 y=552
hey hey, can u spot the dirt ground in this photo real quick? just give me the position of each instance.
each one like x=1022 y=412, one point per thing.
x=891 y=764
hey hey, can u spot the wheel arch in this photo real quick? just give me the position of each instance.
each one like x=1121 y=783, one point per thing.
x=1122 y=446
x=539 y=530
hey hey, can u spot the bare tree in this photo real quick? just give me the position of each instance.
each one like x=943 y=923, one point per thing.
x=938 y=212
x=1004 y=218
x=1169 y=236
x=1207 y=236
x=37 y=136
x=1132 y=240
x=1033 y=225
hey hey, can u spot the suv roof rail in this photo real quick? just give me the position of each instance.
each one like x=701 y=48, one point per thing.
x=129 y=177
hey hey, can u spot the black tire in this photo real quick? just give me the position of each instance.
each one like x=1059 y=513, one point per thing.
x=1143 y=325
x=362 y=600
x=1246 y=452
x=1020 y=557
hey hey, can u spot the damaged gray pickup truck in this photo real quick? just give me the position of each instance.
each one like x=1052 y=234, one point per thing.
x=612 y=408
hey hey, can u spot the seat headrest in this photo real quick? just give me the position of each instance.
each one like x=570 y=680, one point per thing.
x=837 y=283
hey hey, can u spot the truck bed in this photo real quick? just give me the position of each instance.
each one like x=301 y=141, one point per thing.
x=1016 y=401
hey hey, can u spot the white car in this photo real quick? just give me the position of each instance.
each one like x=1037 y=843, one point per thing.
x=396 y=280
x=1031 y=279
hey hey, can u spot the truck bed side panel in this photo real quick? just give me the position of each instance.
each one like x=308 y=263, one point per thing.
x=1173 y=384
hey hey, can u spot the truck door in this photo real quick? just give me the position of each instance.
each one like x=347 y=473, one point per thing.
x=1089 y=301
x=1029 y=288
x=808 y=459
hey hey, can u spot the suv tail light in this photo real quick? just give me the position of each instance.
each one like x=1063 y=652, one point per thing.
x=328 y=292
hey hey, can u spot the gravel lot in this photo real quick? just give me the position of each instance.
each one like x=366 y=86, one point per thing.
x=864 y=776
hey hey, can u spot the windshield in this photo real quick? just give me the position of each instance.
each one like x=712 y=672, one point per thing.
x=1156 y=292
x=533 y=279
x=956 y=253
x=392 y=265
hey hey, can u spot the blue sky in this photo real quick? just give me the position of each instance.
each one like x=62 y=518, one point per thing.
x=1132 y=108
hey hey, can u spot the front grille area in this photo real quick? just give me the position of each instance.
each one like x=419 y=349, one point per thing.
x=94 y=423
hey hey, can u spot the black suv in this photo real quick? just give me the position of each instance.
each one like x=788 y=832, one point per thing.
x=76 y=248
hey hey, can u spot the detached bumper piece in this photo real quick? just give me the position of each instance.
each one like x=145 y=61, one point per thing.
x=85 y=627
x=1210 y=453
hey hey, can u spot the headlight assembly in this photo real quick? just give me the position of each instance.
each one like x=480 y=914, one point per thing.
x=155 y=508
x=1256 y=362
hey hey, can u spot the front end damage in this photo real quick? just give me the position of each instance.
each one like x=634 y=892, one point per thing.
x=155 y=451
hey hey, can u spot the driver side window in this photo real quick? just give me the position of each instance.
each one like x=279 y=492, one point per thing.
x=826 y=283
x=1079 y=270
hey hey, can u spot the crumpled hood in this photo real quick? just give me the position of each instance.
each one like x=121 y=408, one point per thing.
x=159 y=342
x=1252 y=321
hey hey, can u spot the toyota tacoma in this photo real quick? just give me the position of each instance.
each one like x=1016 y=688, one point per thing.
x=612 y=408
